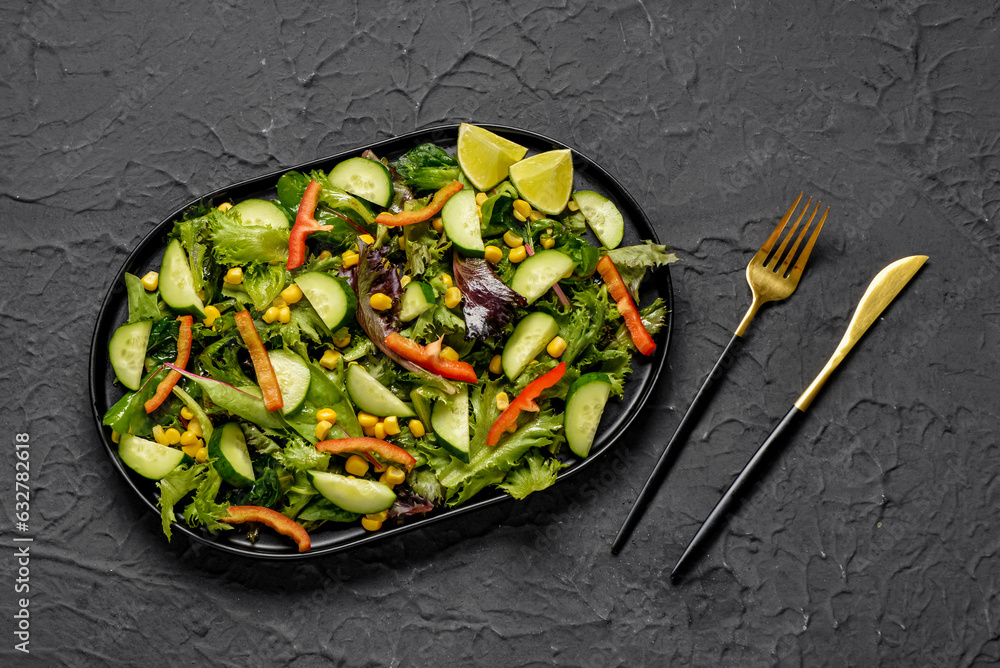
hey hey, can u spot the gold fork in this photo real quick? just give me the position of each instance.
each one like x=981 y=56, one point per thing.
x=772 y=277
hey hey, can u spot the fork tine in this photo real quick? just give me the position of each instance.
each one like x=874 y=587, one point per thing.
x=800 y=264
x=780 y=253
x=769 y=244
x=791 y=254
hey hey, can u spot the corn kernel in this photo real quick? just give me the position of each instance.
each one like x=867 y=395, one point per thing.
x=404 y=281
x=322 y=429
x=522 y=207
x=270 y=315
x=188 y=438
x=517 y=254
x=211 y=315
x=380 y=431
x=452 y=297
x=548 y=242
x=556 y=347
x=370 y=525
x=367 y=419
x=192 y=450
x=368 y=431
x=438 y=225
x=194 y=426
x=402 y=242
x=380 y=301
x=284 y=315
x=532 y=362
x=449 y=353
x=201 y=456
x=479 y=213
x=481 y=198
x=327 y=414
x=279 y=302
x=496 y=364
x=325 y=255
x=329 y=359
x=292 y=294
x=159 y=435
x=503 y=401
x=493 y=254
x=342 y=341
x=512 y=428
x=378 y=517
x=395 y=475
x=573 y=206
x=568 y=274
x=417 y=428
x=512 y=239
x=535 y=215
x=115 y=436
x=151 y=281
x=446 y=279
x=367 y=238
x=225 y=206
x=234 y=276
x=384 y=479
x=350 y=258
x=187 y=413
x=391 y=425
x=356 y=466
x=521 y=217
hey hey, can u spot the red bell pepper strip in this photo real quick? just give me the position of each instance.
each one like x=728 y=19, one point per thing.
x=272 y=518
x=266 y=378
x=524 y=402
x=420 y=215
x=369 y=446
x=183 y=354
x=305 y=224
x=616 y=286
x=429 y=357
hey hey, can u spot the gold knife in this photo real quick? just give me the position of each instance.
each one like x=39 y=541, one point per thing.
x=880 y=293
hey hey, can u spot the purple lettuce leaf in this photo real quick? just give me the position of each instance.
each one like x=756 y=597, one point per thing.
x=487 y=302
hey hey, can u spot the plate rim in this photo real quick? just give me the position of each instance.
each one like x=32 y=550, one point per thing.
x=350 y=538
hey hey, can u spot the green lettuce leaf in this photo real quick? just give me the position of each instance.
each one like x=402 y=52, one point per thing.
x=264 y=282
x=633 y=261
x=142 y=305
x=535 y=474
x=300 y=456
x=427 y=167
x=203 y=510
x=237 y=244
x=175 y=486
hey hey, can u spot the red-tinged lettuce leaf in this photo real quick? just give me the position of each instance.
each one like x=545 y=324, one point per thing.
x=408 y=502
x=369 y=277
x=487 y=302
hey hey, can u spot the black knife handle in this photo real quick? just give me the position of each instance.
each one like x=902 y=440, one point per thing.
x=717 y=518
x=676 y=442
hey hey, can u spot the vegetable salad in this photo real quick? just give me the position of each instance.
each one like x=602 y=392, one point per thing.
x=378 y=341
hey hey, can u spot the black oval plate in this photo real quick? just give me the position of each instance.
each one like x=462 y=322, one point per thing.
x=331 y=537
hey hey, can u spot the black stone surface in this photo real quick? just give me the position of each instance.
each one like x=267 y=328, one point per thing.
x=871 y=541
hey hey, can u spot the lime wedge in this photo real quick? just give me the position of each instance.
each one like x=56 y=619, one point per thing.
x=545 y=180
x=484 y=156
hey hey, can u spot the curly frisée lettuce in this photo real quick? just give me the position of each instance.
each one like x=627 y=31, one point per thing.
x=462 y=318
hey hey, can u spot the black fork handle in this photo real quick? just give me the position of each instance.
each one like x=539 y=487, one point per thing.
x=676 y=442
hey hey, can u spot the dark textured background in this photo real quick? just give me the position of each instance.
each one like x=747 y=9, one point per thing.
x=871 y=541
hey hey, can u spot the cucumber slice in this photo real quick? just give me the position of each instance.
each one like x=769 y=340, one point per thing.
x=372 y=396
x=293 y=378
x=177 y=282
x=528 y=339
x=331 y=296
x=228 y=447
x=540 y=272
x=261 y=213
x=148 y=458
x=418 y=298
x=584 y=406
x=365 y=178
x=127 y=351
x=604 y=217
x=358 y=495
x=450 y=421
x=461 y=222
